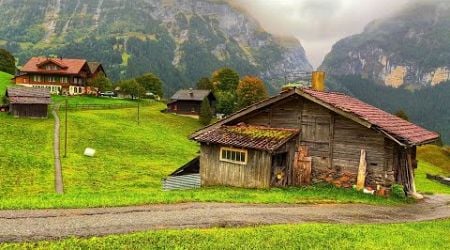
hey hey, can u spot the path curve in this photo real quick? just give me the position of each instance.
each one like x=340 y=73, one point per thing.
x=28 y=225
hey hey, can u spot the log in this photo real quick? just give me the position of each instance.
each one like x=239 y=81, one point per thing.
x=361 y=179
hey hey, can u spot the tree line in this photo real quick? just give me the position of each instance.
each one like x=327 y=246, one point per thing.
x=232 y=92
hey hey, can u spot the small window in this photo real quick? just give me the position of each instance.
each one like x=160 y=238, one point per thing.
x=233 y=155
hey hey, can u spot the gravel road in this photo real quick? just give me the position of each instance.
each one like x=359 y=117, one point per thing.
x=30 y=225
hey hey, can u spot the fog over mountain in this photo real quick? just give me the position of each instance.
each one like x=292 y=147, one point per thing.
x=318 y=24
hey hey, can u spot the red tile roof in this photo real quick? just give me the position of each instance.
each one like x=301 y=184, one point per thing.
x=398 y=128
x=67 y=66
x=250 y=137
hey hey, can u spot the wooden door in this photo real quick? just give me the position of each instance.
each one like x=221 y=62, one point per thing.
x=301 y=174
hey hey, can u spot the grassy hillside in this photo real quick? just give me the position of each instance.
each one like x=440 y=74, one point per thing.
x=5 y=80
x=433 y=160
x=433 y=235
x=131 y=160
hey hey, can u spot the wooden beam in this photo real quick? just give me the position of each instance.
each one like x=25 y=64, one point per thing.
x=361 y=179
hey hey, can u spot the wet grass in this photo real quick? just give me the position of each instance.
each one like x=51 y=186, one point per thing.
x=130 y=162
x=422 y=235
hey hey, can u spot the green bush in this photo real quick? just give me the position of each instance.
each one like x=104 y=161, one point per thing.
x=398 y=191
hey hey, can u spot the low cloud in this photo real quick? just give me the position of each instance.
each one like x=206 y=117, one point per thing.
x=318 y=24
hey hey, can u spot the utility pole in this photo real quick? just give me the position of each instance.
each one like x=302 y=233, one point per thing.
x=65 y=130
x=138 y=109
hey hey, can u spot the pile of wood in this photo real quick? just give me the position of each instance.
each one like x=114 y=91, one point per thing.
x=441 y=179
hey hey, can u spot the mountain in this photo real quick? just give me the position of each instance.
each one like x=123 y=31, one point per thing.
x=179 y=40
x=409 y=49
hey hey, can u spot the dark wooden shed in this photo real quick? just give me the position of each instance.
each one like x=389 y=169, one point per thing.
x=335 y=133
x=189 y=101
x=28 y=102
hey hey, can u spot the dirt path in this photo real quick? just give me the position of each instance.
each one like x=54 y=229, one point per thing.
x=59 y=186
x=55 y=224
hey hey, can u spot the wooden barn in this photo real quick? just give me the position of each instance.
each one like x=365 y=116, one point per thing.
x=189 y=101
x=304 y=136
x=28 y=102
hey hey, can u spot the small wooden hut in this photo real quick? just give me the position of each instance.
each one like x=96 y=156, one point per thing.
x=325 y=138
x=189 y=101
x=28 y=102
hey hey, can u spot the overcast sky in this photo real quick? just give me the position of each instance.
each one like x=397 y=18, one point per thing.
x=318 y=24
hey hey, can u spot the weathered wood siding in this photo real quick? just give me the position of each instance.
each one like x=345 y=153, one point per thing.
x=255 y=174
x=334 y=142
x=29 y=110
x=185 y=107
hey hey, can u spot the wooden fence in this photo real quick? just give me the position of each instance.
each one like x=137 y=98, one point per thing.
x=86 y=106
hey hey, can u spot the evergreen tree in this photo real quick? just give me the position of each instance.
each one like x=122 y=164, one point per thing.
x=226 y=102
x=7 y=62
x=250 y=90
x=205 y=112
x=205 y=83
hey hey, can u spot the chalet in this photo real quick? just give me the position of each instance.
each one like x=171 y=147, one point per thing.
x=28 y=102
x=59 y=75
x=189 y=101
x=304 y=136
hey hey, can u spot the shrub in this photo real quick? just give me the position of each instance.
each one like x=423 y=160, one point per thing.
x=398 y=191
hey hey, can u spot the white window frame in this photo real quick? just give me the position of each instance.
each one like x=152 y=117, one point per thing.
x=37 y=78
x=230 y=151
x=51 y=79
x=63 y=79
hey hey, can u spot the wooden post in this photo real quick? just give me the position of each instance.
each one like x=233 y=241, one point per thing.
x=65 y=130
x=360 y=183
x=411 y=173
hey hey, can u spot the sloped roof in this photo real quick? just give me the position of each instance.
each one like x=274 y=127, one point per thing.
x=27 y=95
x=93 y=66
x=185 y=95
x=395 y=128
x=250 y=137
x=67 y=66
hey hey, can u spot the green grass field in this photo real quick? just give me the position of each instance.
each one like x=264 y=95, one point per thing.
x=433 y=160
x=5 y=80
x=131 y=160
x=72 y=100
x=423 y=235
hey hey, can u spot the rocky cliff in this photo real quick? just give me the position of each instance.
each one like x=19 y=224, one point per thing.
x=180 y=40
x=408 y=49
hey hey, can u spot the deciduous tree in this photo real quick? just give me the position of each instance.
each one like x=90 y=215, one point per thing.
x=132 y=88
x=205 y=83
x=151 y=83
x=225 y=79
x=101 y=82
x=250 y=90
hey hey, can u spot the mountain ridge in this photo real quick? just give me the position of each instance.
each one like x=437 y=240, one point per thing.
x=410 y=48
x=180 y=40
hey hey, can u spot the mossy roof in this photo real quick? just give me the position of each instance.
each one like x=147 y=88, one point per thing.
x=249 y=137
